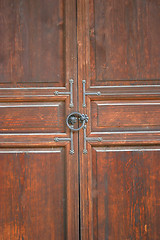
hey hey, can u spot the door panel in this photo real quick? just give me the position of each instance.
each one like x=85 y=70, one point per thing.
x=124 y=115
x=120 y=51
x=38 y=176
x=32 y=117
x=125 y=185
x=30 y=30
x=124 y=42
x=33 y=193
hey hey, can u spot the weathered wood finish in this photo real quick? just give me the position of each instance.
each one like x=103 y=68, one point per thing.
x=38 y=177
x=32 y=117
x=124 y=42
x=125 y=115
x=126 y=188
x=30 y=30
x=33 y=199
x=119 y=55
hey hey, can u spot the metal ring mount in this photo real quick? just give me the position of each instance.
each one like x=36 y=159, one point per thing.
x=72 y=119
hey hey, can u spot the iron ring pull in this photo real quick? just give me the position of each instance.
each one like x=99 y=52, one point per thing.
x=72 y=119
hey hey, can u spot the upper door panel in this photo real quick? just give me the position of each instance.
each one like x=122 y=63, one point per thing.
x=33 y=49
x=124 y=42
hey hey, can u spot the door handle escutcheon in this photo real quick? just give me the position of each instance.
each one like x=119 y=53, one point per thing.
x=76 y=117
x=73 y=118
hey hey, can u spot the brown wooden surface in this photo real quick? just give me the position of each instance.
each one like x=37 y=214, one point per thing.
x=30 y=30
x=119 y=55
x=117 y=47
x=38 y=177
x=125 y=115
x=124 y=42
x=126 y=188
x=33 y=194
x=32 y=117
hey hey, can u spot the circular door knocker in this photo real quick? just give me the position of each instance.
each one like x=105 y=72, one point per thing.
x=73 y=118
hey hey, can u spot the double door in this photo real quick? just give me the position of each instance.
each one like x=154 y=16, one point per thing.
x=97 y=62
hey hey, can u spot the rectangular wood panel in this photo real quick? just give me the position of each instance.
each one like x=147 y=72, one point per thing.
x=125 y=115
x=126 y=193
x=33 y=194
x=32 y=49
x=32 y=117
x=124 y=42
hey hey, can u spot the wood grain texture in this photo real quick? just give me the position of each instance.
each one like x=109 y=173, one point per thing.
x=126 y=193
x=125 y=115
x=118 y=45
x=32 y=43
x=32 y=117
x=39 y=186
x=124 y=42
x=83 y=73
x=118 y=55
x=33 y=194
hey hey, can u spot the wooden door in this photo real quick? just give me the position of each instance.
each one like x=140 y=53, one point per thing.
x=119 y=56
x=38 y=176
x=118 y=88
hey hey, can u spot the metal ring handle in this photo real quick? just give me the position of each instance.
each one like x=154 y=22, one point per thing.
x=83 y=119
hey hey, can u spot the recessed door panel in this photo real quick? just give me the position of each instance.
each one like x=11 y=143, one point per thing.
x=126 y=194
x=124 y=42
x=33 y=193
x=32 y=49
x=32 y=117
x=125 y=115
